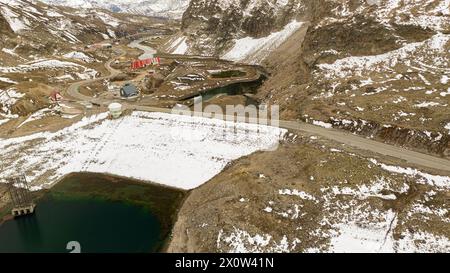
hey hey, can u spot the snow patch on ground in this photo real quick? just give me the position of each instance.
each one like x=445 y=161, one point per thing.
x=3 y=79
x=108 y=19
x=442 y=182
x=322 y=124
x=427 y=104
x=78 y=56
x=355 y=239
x=255 y=50
x=352 y=66
x=13 y=19
x=39 y=64
x=36 y=116
x=423 y=242
x=241 y=241
x=303 y=195
x=173 y=150
x=179 y=46
x=3 y=121
x=80 y=71
x=366 y=191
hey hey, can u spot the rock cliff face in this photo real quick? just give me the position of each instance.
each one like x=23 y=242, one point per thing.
x=211 y=25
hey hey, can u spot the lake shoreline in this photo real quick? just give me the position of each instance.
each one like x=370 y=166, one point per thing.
x=161 y=201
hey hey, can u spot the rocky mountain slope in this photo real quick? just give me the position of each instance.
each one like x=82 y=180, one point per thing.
x=209 y=27
x=39 y=24
x=212 y=25
x=44 y=47
x=375 y=67
x=158 y=8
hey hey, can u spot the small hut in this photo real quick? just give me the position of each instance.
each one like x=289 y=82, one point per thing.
x=129 y=90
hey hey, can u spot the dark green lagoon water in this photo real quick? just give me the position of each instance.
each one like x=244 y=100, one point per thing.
x=100 y=224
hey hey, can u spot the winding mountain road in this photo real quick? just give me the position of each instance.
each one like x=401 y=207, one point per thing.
x=410 y=157
x=74 y=89
x=149 y=52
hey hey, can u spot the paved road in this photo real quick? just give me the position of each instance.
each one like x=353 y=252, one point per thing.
x=74 y=89
x=149 y=52
x=344 y=137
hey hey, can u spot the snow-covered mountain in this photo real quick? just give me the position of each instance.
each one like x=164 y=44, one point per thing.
x=41 y=23
x=160 y=8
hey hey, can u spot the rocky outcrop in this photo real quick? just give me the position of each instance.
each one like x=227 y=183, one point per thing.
x=211 y=25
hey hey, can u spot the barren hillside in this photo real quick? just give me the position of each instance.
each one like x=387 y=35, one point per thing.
x=378 y=68
x=44 y=48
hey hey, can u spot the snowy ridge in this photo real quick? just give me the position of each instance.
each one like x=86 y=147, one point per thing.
x=159 y=8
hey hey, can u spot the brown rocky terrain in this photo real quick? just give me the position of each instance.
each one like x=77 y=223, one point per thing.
x=45 y=48
x=378 y=68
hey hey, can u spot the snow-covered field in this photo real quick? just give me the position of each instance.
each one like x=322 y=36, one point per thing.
x=173 y=150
